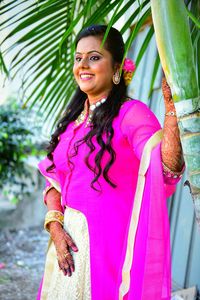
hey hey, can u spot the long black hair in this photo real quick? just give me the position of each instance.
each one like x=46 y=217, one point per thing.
x=102 y=117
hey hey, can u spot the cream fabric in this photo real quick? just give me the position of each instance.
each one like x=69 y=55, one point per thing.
x=144 y=164
x=56 y=286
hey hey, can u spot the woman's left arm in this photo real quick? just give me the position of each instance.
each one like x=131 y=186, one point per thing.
x=171 y=150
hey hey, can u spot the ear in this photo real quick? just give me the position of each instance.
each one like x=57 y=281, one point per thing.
x=116 y=67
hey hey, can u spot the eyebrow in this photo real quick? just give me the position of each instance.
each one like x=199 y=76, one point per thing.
x=89 y=52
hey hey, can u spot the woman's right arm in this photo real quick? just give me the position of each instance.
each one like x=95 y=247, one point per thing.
x=62 y=240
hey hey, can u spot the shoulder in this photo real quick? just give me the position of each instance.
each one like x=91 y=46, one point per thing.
x=132 y=107
x=135 y=114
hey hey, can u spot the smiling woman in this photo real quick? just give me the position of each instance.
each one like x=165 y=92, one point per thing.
x=108 y=176
x=93 y=68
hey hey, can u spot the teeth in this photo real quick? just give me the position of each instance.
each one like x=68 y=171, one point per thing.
x=86 y=76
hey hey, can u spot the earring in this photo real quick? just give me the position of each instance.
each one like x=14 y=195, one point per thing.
x=116 y=77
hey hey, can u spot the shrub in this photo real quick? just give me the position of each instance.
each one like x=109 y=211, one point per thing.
x=16 y=144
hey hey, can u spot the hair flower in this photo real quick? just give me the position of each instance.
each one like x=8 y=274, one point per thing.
x=128 y=68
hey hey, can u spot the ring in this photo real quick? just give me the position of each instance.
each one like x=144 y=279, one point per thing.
x=66 y=254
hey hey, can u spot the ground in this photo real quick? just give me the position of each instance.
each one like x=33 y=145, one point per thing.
x=22 y=256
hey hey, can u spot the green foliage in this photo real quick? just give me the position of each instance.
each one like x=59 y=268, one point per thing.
x=41 y=36
x=16 y=144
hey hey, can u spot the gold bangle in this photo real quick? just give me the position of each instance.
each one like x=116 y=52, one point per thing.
x=53 y=216
x=171 y=113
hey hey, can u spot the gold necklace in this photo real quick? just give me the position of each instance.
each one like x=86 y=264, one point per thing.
x=83 y=114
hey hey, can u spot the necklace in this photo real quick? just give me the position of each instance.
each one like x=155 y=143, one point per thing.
x=91 y=109
x=98 y=103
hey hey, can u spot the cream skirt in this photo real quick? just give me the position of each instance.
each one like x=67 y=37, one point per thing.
x=56 y=286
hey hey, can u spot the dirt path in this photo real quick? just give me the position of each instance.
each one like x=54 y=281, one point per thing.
x=22 y=255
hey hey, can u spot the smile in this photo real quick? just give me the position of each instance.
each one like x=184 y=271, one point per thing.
x=86 y=76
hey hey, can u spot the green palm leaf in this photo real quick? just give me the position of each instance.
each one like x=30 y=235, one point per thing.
x=176 y=48
x=44 y=32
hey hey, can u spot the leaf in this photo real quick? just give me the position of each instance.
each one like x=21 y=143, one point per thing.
x=111 y=21
x=144 y=46
x=3 y=67
x=154 y=73
x=193 y=18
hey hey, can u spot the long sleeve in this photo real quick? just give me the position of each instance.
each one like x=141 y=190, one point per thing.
x=138 y=125
x=52 y=177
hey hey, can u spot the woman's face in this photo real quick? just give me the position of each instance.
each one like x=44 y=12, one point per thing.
x=93 y=68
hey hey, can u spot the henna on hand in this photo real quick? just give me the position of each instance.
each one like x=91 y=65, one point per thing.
x=171 y=150
x=64 y=244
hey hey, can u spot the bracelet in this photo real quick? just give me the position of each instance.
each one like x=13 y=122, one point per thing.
x=171 y=174
x=53 y=216
x=171 y=113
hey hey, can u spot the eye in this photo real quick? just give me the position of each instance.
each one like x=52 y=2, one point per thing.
x=77 y=58
x=94 y=57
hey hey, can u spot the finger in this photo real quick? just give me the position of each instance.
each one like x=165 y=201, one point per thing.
x=71 y=243
x=67 y=268
x=71 y=265
x=69 y=272
x=70 y=260
x=64 y=272
x=62 y=268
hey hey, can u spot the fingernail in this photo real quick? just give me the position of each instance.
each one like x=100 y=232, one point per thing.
x=74 y=248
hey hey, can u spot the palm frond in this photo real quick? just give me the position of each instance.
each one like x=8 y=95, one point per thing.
x=44 y=33
x=3 y=68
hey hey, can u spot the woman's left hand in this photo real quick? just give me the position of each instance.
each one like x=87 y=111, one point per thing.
x=167 y=95
x=171 y=149
x=64 y=246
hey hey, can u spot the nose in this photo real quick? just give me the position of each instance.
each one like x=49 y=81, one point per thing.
x=84 y=63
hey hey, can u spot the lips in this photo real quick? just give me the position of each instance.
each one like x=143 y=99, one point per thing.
x=86 y=76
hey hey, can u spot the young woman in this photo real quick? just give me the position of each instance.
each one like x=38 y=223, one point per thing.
x=109 y=171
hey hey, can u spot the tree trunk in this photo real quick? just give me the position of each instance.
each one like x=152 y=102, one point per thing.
x=177 y=58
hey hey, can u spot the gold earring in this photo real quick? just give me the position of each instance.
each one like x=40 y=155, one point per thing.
x=116 y=77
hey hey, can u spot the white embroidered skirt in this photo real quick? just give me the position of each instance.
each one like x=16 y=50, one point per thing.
x=77 y=287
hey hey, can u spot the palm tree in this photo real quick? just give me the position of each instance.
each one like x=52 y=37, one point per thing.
x=43 y=52
x=177 y=54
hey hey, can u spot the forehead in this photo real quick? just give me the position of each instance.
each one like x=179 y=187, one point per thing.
x=90 y=43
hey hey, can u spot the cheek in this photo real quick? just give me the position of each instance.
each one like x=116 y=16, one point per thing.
x=104 y=70
x=75 y=70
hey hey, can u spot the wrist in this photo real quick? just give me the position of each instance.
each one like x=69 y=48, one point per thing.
x=54 y=225
x=53 y=219
x=170 y=113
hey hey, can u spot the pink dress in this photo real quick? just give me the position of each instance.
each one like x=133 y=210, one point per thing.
x=108 y=212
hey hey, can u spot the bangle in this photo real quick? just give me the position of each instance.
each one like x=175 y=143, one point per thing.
x=171 y=113
x=53 y=216
x=171 y=174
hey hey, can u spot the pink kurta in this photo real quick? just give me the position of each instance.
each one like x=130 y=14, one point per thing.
x=108 y=212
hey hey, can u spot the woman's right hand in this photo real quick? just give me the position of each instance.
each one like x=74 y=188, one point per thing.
x=64 y=245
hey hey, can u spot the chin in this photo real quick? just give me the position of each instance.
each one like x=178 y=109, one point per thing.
x=85 y=90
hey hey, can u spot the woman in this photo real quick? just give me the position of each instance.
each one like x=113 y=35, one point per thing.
x=109 y=173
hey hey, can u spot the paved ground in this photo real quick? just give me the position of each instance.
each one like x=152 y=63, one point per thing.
x=22 y=254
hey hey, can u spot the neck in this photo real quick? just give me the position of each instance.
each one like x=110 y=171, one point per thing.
x=94 y=99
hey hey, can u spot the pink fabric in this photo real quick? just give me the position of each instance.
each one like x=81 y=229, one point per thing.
x=108 y=213
x=39 y=290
